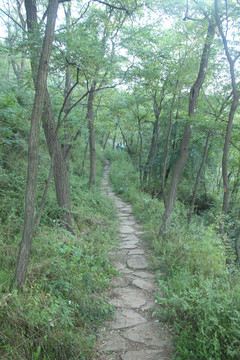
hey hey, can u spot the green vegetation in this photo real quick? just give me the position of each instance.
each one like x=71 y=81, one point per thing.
x=64 y=302
x=197 y=294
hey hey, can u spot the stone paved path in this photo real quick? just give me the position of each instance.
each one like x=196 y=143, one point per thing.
x=133 y=334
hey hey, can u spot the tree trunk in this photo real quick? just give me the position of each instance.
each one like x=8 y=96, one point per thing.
x=33 y=150
x=153 y=152
x=114 y=141
x=50 y=130
x=167 y=145
x=60 y=169
x=44 y=197
x=150 y=153
x=105 y=142
x=233 y=109
x=198 y=176
x=90 y=118
x=193 y=102
x=66 y=109
x=140 y=152
x=84 y=158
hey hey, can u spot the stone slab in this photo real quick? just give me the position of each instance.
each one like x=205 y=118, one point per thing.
x=149 y=334
x=149 y=305
x=128 y=298
x=143 y=284
x=140 y=232
x=126 y=319
x=127 y=246
x=113 y=342
x=142 y=355
x=127 y=271
x=137 y=262
x=128 y=222
x=130 y=237
x=136 y=252
x=129 y=242
x=119 y=282
x=125 y=229
x=144 y=275
x=118 y=266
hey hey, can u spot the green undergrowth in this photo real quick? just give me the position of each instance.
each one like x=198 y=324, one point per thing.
x=57 y=313
x=197 y=294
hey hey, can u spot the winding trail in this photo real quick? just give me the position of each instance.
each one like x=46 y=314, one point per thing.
x=133 y=334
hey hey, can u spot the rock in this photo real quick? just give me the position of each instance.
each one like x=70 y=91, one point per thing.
x=143 y=284
x=136 y=252
x=142 y=355
x=125 y=245
x=119 y=282
x=130 y=237
x=137 y=262
x=125 y=229
x=128 y=298
x=114 y=342
x=126 y=319
x=150 y=334
x=144 y=275
x=118 y=266
x=149 y=305
x=139 y=232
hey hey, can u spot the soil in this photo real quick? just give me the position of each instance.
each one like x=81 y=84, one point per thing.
x=133 y=333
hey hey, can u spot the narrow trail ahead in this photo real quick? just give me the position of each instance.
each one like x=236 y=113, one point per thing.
x=133 y=334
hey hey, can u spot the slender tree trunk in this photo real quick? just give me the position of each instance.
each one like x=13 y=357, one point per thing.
x=154 y=151
x=105 y=142
x=167 y=145
x=84 y=157
x=60 y=169
x=126 y=143
x=140 y=152
x=193 y=102
x=50 y=130
x=150 y=153
x=236 y=96
x=198 y=176
x=90 y=118
x=68 y=84
x=44 y=197
x=66 y=109
x=33 y=150
x=114 y=141
x=225 y=155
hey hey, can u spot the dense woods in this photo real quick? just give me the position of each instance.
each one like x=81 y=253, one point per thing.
x=78 y=79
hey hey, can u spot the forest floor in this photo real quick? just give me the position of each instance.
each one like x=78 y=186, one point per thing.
x=133 y=333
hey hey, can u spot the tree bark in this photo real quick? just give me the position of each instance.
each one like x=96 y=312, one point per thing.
x=198 y=176
x=33 y=149
x=114 y=141
x=60 y=169
x=50 y=130
x=150 y=153
x=90 y=118
x=193 y=102
x=167 y=145
x=84 y=158
x=140 y=152
x=153 y=152
x=236 y=96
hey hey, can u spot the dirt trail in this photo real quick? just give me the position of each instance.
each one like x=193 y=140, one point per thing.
x=133 y=334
